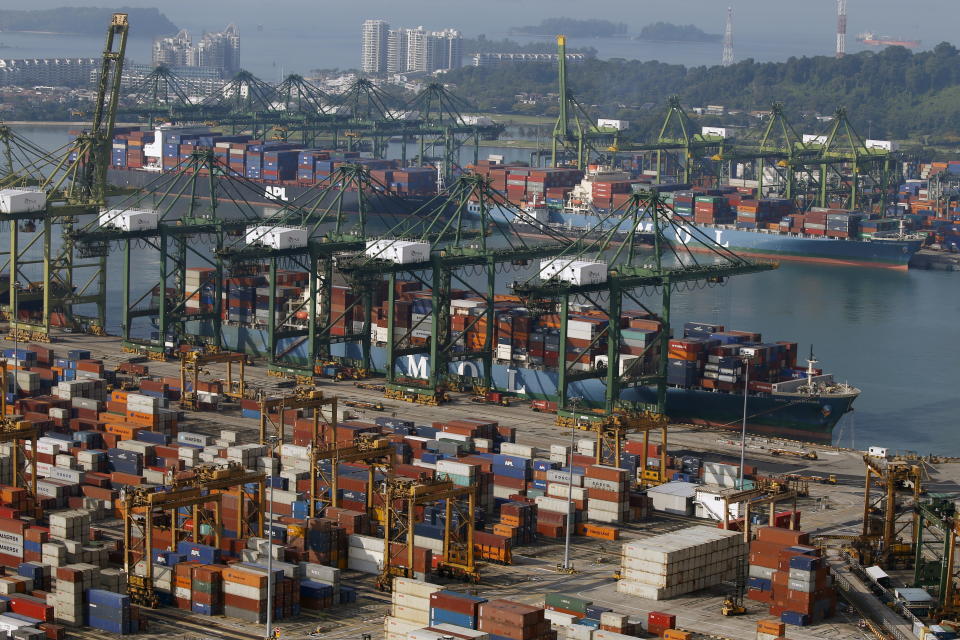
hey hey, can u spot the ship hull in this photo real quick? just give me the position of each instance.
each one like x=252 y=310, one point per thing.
x=891 y=254
x=806 y=419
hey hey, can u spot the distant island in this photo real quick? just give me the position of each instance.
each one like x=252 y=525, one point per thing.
x=573 y=28
x=667 y=32
x=482 y=44
x=148 y=23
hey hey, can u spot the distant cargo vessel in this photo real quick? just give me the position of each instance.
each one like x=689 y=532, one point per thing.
x=274 y=172
x=750 y=226
x=870 y=39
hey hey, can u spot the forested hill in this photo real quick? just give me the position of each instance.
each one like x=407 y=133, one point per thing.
x=894 y=92
x=85 y=20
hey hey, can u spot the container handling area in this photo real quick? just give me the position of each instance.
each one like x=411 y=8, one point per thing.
x=124 y=512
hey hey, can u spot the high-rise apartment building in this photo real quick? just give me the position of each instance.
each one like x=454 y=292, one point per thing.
x=404 y=50
x=219 y=51
x=373 y=57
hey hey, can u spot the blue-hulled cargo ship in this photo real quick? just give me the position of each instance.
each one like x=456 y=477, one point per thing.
x=804 y=408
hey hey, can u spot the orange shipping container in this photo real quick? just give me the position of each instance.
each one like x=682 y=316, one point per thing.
x=248 y=578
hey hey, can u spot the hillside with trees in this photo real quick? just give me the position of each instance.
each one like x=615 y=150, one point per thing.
x=85 y=20
x=895 y=93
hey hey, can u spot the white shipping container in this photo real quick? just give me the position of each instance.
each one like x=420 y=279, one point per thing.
x=718 y=132
x=610 y=123
x=514 y=449
x=22 y=200
x=882 y=145
x=399 y=251
x=277 y=237
x=573 y=271
x=456 y=468
x=554 y=504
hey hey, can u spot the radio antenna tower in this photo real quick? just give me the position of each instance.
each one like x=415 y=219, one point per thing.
x=728 y=39
x=841 y=28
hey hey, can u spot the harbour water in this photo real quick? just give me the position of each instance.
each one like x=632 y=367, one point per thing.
x=891 y=333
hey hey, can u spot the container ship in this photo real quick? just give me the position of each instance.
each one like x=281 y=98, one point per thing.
x=729 y=216
x=707 y=366
x=870 y=39
x=276 y=172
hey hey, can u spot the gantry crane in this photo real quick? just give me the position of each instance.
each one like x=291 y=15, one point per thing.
x=192 y=364
x=375 y=452
x=401 y=498
x=575 y=131
x=200 y=489
x=234 y=479
x=302 y=398
x=888 y=520
x=141 y=506
x=459 y=246
x=935 y=550
x=75 y=184
x=332 y=228
x=629 y=403
x=19 y=433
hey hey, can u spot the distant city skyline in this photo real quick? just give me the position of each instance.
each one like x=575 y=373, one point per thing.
x=294 y=36
x=218 y=50
x=408 y=50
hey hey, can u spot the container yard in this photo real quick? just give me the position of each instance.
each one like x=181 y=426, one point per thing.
x=482 y=423
x=674 y=572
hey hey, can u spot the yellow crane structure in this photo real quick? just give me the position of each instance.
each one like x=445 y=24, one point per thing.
x=234 y=479
x=201 y=490
x=301 y=398
x=611 y=432
x=401 y=497
x=373 y=451
x=755 y=498
x=886 y=519
x=19 y=433
x=141 y=506
x=192 y=364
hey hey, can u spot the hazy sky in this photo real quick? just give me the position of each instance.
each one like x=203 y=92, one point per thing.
x=929 y=20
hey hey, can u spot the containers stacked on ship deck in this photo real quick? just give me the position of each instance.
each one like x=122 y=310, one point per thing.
x=670 y=565
x=790 y=576
x=522 y=184
x=709 y=357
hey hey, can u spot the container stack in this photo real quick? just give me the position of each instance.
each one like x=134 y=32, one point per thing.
x=73 y=582
x=111 y=612
x=513 y=620
x=410 y=606
x=245 y=593
x=454 y=608
x=670 y=565
x=607 y=490
x=365 y=554
x=790 y=576
x=659 y=623
x=206 y=589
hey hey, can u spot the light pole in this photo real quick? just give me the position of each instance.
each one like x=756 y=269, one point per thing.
x=273 y=443
x=567 y=568
x=743 y=429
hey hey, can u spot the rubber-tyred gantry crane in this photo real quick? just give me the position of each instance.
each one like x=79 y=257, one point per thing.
x=191 y=366
x=401 y=497
x=375 y=452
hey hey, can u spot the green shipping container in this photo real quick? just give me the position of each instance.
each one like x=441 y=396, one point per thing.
x=570 y=603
